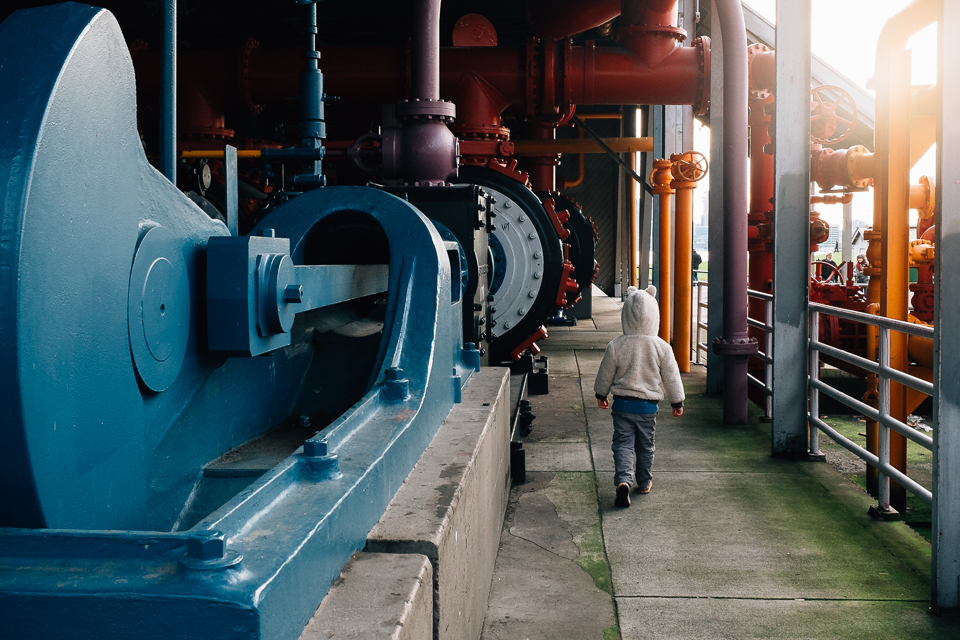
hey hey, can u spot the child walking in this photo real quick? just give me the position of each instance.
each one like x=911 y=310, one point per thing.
x=634 y=367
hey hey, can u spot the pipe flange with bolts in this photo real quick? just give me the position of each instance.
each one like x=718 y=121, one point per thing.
x=424 y=109
x=742 y=347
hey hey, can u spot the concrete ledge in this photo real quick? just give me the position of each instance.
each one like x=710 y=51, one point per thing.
x=378 y=596
x=451 y=506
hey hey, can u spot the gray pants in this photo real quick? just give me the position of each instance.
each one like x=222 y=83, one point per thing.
x=633 y=431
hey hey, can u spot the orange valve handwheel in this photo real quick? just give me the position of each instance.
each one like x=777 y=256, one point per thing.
x=689 y=166
x=824 y=116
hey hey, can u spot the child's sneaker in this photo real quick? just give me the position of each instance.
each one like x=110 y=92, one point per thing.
x=623 y=495
x=645 y=488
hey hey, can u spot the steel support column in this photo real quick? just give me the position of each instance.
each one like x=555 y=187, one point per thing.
x=791 y=223
x=646 y=203
x=847 y=248
x=715 y=214
x=659 y=135
x=629 y=128
x=735 y=345
x=945 y=540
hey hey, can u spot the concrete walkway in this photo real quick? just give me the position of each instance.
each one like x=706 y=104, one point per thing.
x=729 y=544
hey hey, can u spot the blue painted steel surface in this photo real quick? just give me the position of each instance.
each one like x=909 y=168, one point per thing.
x=254 y=291
x=158 y=308
x=312 y=127
x=80 y=431
x=88 y=446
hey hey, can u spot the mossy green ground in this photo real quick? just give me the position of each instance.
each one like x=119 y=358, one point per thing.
x=580 y=489
x=919 y=467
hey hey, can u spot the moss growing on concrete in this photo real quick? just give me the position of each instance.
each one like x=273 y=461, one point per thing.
x=919 y=467
x=577 y=506
x=611 y=633
x=593 y=558
x=580 y=410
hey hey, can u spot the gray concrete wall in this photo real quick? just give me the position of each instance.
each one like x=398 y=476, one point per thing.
x=451 y=506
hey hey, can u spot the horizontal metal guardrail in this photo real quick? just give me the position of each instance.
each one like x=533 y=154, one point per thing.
x=767 y=354
x=885 y=374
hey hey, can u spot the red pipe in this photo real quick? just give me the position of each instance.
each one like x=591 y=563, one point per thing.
x=485 y=81
x=425 y=51
x=542 y=168
x=481 y=81
x=596 y=75
x=760 y=276
x=649 y=29
x=559 y=19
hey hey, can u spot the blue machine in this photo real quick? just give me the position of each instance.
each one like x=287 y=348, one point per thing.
x=154 y=483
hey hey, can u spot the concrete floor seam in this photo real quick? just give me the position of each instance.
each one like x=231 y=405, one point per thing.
x=749 y=599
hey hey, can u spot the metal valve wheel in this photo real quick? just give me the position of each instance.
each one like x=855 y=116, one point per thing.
x=690 y=166
x=824 y=118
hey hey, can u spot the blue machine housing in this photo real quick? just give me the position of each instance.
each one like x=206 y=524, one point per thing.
x=116 y=411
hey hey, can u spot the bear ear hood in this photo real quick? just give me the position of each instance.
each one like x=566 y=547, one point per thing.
x=641 y=314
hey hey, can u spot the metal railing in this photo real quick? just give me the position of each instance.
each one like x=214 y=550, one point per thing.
x=881 y=413
x=700 y=348
x=767 y=354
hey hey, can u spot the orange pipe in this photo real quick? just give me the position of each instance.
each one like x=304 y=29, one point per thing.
x=684 y=286
x=891 y=206
x=661 y=178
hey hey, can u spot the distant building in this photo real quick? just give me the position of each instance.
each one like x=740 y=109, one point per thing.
x=859 y=243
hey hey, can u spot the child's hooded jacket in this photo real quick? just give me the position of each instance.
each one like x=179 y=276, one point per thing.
x=637 y=362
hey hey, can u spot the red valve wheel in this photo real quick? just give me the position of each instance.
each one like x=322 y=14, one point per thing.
x=690 y=166
x=834 y=274
x=824 y=116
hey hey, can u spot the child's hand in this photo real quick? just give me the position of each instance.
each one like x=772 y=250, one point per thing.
x=603 y=404
x=678 y=412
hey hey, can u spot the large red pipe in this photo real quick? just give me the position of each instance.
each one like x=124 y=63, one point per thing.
x=597 y=75
x=481 y=81
x=559 y=19
x=760 y=268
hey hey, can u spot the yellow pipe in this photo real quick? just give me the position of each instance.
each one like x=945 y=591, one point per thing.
x=213 y=154
x=923 y=197
x=581 y=170
x=923 y=121
x=661 y=178
x=891 y=206
x=600 y=116
x=581 y=145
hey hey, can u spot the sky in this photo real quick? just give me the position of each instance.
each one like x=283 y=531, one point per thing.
x=844 y=35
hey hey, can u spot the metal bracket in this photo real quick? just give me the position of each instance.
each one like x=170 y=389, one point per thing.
x=254 y=291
